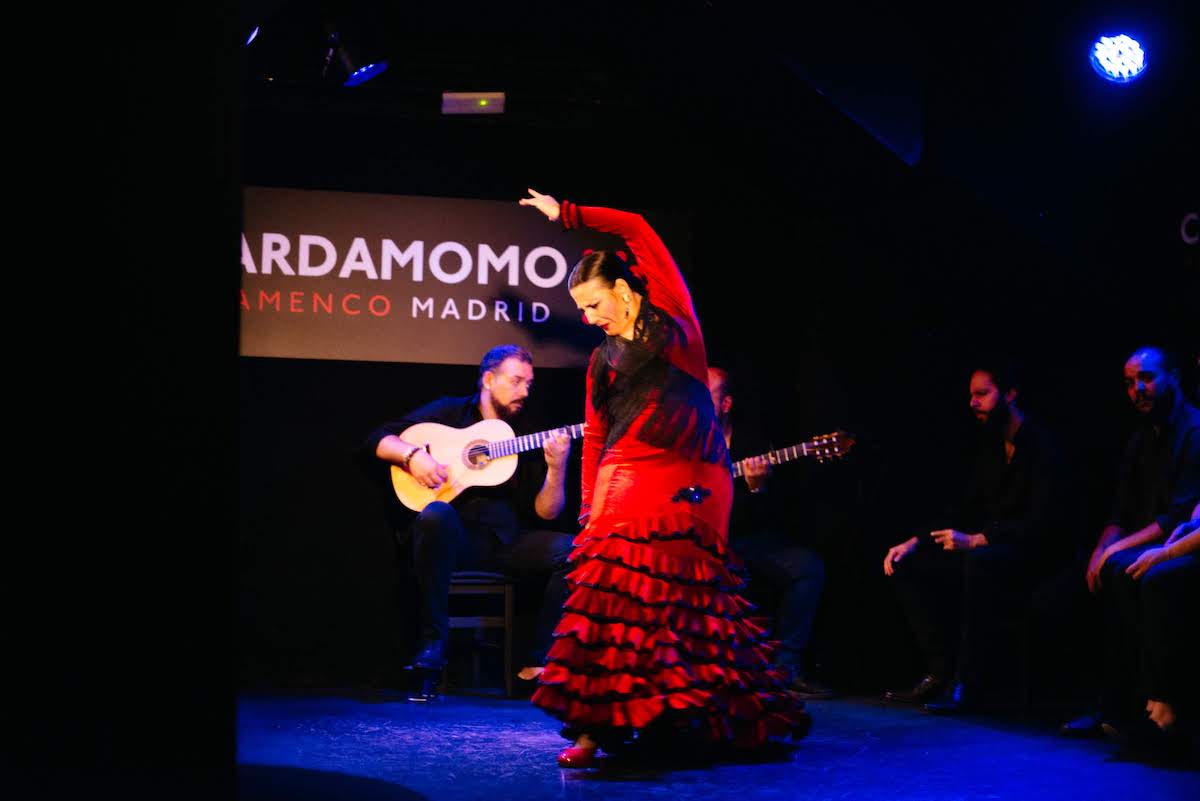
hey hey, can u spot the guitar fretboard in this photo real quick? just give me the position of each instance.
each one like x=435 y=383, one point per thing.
x=797 y=451
x=509 y=447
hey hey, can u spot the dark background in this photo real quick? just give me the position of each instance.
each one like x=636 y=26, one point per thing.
x=877 y=198
x=877 y=194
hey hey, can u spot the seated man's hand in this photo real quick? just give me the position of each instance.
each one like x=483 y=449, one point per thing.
x=1148 y=559
x=1095 y=565
x=1184 y=528
x=1112 y=533
x=954 y=540
x=896 y=553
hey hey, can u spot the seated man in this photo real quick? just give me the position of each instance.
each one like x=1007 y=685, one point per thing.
x=1157 y=486
x=1166 y=604
x=1004 y=536
x=774 y=560
x=484 y=528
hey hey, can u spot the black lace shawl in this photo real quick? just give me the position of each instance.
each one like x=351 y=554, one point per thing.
x=628 y=374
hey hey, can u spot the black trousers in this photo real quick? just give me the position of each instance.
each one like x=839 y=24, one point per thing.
x=955 y=602
x=443 y=542
x=795 y=575
x=1150 y=633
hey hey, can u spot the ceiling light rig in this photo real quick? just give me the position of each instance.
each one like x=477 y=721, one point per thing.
x=1119 y=59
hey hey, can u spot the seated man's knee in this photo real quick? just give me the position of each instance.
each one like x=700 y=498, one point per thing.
x=438 y=520
x=1116 y=565
x=438 y=512
x=814 y=569
x=1171 y=576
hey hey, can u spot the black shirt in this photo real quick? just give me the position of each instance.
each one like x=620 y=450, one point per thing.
x=751 y=512
x=1159 y=478
x=506 y=508
x=1019 y=502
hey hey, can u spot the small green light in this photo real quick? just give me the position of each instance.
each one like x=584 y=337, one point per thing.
x=483 y=102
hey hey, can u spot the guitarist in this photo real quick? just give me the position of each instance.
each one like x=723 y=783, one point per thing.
x=774 y=560
x=485 y=528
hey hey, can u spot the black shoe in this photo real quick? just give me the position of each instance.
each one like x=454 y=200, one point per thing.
x=809 y=690
x=1137 y=738
x=1115 y=734
x=427 y=690
x=1083 y=726
x=925 y=688
x=432 y=657
x=954 y=700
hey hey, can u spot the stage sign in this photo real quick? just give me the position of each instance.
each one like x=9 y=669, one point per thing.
x=340 y=275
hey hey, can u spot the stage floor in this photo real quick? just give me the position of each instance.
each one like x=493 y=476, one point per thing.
x=379 y=747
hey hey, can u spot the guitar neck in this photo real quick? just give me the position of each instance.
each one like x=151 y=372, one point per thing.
x=797 y=451
x=509 y=447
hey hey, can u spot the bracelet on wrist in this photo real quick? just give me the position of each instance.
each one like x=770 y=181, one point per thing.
x=404 y=462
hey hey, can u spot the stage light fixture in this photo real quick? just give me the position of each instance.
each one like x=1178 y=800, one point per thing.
x=472 y=102
x=358 y=70
x=1119 y=59
x=364 y=74
x=253 y=36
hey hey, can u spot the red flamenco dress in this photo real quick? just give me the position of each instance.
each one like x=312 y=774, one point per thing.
x=653 y=634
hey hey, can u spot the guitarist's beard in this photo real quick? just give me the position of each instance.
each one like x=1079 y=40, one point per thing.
x=509 y=411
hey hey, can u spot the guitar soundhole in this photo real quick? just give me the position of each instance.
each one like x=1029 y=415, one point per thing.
x=475 y=455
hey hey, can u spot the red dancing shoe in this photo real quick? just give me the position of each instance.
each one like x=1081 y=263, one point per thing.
x=576 y=757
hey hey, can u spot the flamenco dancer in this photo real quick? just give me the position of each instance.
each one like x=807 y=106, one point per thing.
x=653 y=642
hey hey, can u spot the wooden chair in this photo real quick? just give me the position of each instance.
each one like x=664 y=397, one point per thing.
x=475 y=583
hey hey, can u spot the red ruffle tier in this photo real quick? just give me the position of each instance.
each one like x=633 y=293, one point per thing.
x=653 y=623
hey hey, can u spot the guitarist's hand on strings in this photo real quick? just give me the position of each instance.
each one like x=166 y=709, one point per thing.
x=556 y=449
x=428 y=472
x=756 y=470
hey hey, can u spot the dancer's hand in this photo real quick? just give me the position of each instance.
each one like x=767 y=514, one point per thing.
x=543 y=203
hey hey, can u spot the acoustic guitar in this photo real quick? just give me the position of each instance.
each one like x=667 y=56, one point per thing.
x=481 y=455
x=822 y=448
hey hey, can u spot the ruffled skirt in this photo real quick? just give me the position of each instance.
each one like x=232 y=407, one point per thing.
x=654 y=633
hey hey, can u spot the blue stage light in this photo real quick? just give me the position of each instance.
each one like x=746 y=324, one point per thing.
x=365 y=73
x=253 y=35
x=1119 y=59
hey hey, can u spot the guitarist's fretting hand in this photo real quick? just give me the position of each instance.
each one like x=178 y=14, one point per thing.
x=756 y=470
x=556 y=449
x=428 y=472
